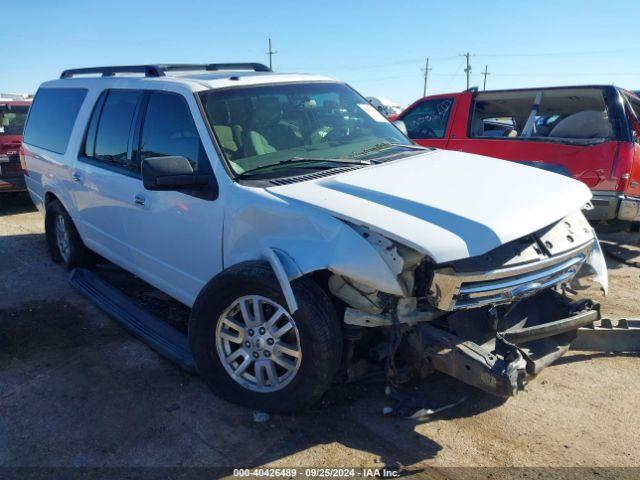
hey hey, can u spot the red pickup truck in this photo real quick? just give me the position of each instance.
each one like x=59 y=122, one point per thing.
x=589 y=132
x=13 y=114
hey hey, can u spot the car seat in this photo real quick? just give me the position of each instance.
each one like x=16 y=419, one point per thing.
x=218 y=112
x=585 y=124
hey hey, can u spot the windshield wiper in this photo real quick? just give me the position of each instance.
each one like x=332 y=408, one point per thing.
x=294 y=160
x=382 y=146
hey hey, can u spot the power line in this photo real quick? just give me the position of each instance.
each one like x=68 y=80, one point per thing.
x=271 y=53
x=426 y=70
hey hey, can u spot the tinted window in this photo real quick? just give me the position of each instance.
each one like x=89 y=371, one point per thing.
x=169 y=129
x=429 y=118
x=114 y=126
x=52 y=117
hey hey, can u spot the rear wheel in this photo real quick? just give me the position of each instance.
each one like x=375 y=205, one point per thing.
x=65 y=244
x=251 y=350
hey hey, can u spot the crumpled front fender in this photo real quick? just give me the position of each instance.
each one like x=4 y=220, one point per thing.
x=297 y=240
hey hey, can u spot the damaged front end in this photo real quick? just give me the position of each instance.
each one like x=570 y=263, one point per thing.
x=490 y=321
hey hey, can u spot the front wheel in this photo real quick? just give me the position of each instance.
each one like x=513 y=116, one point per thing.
x=251 y=350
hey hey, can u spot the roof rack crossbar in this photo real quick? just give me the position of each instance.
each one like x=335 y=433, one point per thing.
x=159 y=70
x=148 y=70
x=256 y=67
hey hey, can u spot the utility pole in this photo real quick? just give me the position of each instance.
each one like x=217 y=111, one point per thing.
x=271 y=53
x=426 y=70
x=468 y=69
x=485 y=73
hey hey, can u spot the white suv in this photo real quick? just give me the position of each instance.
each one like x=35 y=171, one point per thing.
x=306 y=232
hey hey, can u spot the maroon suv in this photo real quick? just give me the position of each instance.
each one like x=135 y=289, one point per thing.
x=13 y=114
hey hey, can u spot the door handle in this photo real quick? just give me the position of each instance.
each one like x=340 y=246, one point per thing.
x=140 y=199
x=76 y=177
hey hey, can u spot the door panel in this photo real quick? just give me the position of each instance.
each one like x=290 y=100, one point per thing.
x=176 y=236
x=102 y=198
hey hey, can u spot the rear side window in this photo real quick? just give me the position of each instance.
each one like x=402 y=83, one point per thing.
x=574 y=115
x=429 y=119
x=169 y=129
x=110 y=129
x=52 y=117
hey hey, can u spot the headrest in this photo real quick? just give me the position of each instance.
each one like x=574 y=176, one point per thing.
x=219 y=112
x=267 y=111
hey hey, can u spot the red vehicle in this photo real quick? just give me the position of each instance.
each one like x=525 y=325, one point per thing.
x=13 y=114
x=589 y=132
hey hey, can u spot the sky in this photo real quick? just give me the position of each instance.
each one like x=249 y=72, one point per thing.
x=378 y=47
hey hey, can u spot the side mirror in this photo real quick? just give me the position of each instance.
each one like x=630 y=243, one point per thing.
x=401 y=126
x=171 y=173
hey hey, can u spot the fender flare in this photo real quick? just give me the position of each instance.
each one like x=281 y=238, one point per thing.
x=284 y=268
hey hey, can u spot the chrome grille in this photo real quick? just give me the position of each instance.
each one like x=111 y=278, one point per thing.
x=457 y=291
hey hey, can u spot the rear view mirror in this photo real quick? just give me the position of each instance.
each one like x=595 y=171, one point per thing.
x=171 y=173
x=401 y=126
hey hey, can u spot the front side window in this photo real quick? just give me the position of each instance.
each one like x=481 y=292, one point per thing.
x=428 y=119
x=283 y=126
x=169 y=129
x=52 y=117
x=12 y=118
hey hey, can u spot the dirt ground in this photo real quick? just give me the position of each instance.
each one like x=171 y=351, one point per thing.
x=78 y=390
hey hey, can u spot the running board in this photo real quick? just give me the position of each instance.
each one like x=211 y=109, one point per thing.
x=609 y=336
x=162 y=337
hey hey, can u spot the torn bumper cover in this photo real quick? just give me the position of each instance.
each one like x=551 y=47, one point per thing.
x=530 y=337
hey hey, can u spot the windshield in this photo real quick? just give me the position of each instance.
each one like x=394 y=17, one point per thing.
x=257 y=127
x=12 y=118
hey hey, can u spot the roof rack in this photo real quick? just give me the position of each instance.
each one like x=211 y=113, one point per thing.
x=159 y=70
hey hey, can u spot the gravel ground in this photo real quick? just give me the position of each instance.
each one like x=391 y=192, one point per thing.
x=77 y=390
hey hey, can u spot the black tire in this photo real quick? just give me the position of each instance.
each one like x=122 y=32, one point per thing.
x=316 y=321
x=79 y=255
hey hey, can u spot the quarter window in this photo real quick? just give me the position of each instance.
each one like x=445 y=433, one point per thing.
x=169 y=129
x=429 y=119
x=52 y=117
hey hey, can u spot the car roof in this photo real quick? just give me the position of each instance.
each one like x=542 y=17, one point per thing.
x=193 y=77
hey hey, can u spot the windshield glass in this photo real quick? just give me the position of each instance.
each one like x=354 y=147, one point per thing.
x=268 y=125
x=12 y=118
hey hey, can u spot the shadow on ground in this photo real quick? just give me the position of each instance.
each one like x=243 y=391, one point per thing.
x=15 y=203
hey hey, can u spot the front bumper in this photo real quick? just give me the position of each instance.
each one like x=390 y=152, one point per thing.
x=609 y=206
x=538 y=332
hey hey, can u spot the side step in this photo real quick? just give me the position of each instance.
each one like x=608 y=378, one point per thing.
x=609 y=336
x=162 y=337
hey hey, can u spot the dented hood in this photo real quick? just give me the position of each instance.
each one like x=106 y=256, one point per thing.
x=448 y=205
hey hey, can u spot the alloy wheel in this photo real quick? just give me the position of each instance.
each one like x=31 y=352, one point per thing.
x=258 y=344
